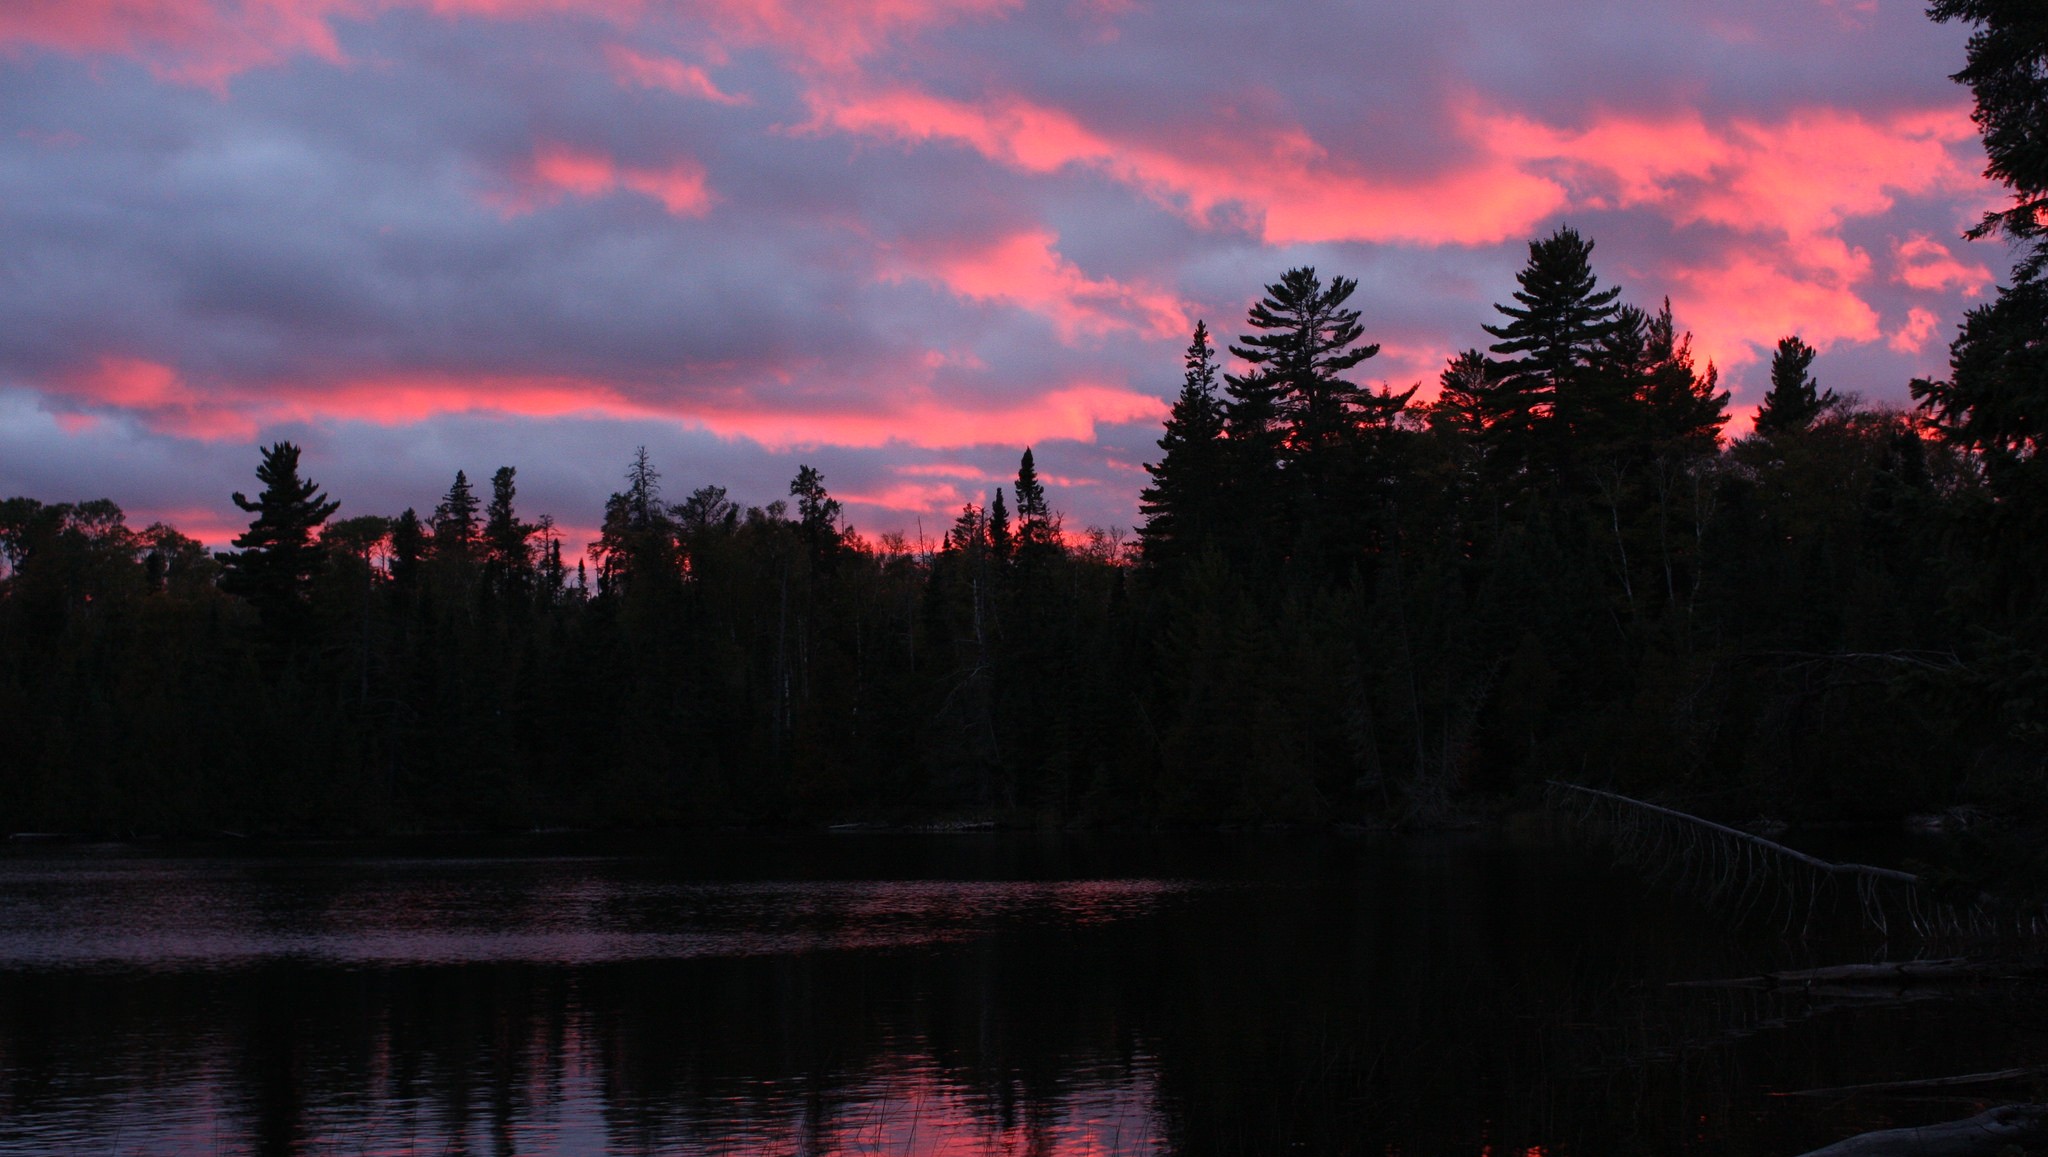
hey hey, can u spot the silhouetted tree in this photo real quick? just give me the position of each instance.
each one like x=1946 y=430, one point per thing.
x=455 y=522
x=1037 y=529
x=1184 y=504
x=817 y=514
x=507 y=542
x=1794 y=400
x=1000 y=541
x=1551 y=344
x=276 y=558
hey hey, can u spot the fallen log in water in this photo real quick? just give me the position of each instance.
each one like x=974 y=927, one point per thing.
x=1992 y=1078
x=1885 y=974
x=1983 y=1135
x=1751 y=874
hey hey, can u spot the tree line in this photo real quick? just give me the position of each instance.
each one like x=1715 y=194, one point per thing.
x=1343 y=603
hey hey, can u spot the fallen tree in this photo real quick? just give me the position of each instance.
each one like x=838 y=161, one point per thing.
x=1984 y=1135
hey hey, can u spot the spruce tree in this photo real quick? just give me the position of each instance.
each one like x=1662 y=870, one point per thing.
x=455 y=522
x=507 y=542
x=1794 y=401
x=1000 y=541
x=1183 y=505
x=276 y=558
x=1037 y=530
x=408 y=549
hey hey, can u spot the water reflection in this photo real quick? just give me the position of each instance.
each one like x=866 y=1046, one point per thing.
x=215 y=914
x=995 y=995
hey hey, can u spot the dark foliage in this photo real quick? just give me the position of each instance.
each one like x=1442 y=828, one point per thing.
x=1341 y=605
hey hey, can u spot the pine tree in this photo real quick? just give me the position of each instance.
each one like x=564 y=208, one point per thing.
x=1462 y=389
x=1794 y=401
x=1552 y=340
x=2007 y=71
x=1184 y=504
x=1995 y=401
x=1305 y=340
x=277 y=557
x=817 y=514
x=1682 y=408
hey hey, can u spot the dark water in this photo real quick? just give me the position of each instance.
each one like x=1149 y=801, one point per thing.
x=933 y=995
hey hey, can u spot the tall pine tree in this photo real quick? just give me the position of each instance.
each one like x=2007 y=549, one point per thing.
x=1551 y=344
x=276 y=558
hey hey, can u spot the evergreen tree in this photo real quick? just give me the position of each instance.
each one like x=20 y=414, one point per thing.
x=1682 y=409
x=1794 y=401
x=1037 y=529
x=1462 y=393
x=636 y=546
x=817 y=514
x=1000 y=541
x=2007 y=71
x=1184 y=504
x=1995 y=401
x=408 y=549
x=507 y=542
x=1305 y=340
x=276 y=558
x=1551 y=342
x=455 y=523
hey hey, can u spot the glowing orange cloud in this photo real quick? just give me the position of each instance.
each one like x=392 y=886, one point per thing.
x=1027 y=271
x=558 y=169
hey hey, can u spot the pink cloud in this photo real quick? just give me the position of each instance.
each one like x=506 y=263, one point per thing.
x=1912 y=337
x=156 y=396
x=1798 y=176
x=1750 y=299
x=557 y=170
x=962 y=470
x=1295 y=188
x=835 y=34
x=1027 y=271
x=1925 y=263
x=918 y=497
x=630 y=67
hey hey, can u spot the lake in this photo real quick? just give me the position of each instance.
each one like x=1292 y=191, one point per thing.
x=1474 y=994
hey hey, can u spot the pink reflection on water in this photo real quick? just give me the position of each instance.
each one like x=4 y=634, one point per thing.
x=150 y=915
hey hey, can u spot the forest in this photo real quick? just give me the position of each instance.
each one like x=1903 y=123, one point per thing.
x=1343 y=605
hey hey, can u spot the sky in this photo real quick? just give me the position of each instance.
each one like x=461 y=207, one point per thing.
x=897 y=240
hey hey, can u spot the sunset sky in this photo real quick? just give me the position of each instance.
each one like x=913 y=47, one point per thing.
x=897 y=240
